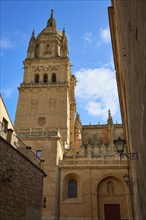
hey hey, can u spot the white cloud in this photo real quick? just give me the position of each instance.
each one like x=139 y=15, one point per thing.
x=6 y=44
x=88 y=37
x=7 y=92
x=105 y=35
x=96 y=91
x=91 y=39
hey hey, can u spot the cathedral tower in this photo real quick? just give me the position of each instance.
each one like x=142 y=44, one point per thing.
x=46 y=106
x=47 y=93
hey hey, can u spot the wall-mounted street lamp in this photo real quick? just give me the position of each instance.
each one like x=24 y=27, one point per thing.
x=7 y=175
x=120 y=144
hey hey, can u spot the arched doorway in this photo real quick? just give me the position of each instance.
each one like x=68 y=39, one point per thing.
x=112 y=199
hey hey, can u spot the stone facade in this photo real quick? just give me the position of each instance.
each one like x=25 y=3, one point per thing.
x=51 y=147
x=21 y=175
x=85 y=175
x=128 y=31
x=6 y=124
x=21 y=193
x=93 y=176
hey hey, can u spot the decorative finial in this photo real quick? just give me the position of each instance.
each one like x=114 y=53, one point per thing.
x=51 y=22
x=33 y=34
x=77 y=115
x=77 y=119
x=63 y=32
x=31 y=46
x=109 y=114
x=110 y=120
x=52 y=13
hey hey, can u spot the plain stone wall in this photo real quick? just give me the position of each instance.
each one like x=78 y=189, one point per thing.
x=20 y=199
x=129 y=36
x=51 y=152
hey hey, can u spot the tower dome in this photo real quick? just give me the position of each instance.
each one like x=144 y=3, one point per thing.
x=50 y=42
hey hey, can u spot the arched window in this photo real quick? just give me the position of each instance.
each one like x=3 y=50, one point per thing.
x=37 y=78
x=45 y=78
x=53 y=77
x=72 y=189
x=48 y=49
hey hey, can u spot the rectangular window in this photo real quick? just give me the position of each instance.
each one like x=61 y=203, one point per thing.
x=39 y=153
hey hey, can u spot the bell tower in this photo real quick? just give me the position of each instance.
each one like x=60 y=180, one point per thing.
x=46 y=107
x=45 y=96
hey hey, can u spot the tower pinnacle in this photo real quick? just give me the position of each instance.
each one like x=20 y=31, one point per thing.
x=51 y=22
x=63 y=32
x=52 y=13
x=33 y=34
x=110 y=119
x=32 y=45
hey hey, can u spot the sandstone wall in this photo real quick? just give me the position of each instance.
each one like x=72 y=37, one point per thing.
x=128 y=30
x=21 y=198
x=93 y=177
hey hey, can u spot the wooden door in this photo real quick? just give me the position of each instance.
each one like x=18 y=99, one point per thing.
x=112 y=212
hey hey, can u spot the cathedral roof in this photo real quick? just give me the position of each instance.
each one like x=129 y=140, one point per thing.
x=51 y=27
x=49 y=43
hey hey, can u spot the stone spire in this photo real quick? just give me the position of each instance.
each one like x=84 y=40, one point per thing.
x=78 y=126
x=64 y=44
x=110 y=119
x=33 y=35
x=78 y=132
x=31 y=47
x=51 y=22
x=63 y=32
x=77 y=120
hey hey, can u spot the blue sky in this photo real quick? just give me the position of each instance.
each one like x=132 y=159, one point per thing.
x=90 y=52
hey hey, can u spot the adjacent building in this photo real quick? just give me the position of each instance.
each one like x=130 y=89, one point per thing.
x=128 y=32
x=21 y=175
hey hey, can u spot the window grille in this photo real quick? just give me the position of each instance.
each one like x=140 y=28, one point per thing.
x=72 y=189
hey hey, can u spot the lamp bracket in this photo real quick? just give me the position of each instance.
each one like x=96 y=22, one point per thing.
x=131 y=156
